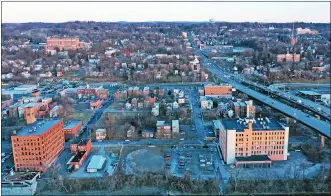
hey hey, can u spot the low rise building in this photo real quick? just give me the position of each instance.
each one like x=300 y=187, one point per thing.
x=218 y=91
x=81 y=150
x=72 y=128
x=96 y=164
x=19 y=183
x=148 y=133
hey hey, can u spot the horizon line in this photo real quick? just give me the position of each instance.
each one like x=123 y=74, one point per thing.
x=163 y=21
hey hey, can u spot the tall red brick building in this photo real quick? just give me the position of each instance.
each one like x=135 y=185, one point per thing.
x=38 y=145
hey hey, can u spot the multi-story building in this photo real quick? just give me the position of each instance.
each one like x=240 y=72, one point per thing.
x=244 y=109
x=175 y=128
x=221 y=90
x=38 y=145
x=249 y=141
x=163 y=129
x=67 y=43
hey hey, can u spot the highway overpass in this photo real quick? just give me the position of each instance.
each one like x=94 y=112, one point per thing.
x=321 y=126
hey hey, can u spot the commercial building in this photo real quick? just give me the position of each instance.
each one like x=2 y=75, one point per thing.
x=244 y=140
x=67 y=43
x=19 y=183
x=288 y=57
x=72 y=128
x=38 y=145
x=96 y=164
x=219 y=91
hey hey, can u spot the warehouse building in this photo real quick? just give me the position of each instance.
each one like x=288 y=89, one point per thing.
x=96 y=164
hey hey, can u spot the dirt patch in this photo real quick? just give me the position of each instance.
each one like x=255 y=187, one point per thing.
x=144 y=160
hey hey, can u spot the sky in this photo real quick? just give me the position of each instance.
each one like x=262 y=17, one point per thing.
x=17 y=12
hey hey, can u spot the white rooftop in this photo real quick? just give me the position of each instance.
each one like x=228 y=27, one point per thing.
x=96 y=162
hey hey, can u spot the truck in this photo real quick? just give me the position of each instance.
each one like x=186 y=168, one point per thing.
x=299 y=101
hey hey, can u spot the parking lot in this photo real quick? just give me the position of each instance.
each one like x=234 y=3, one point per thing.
x=195 y=161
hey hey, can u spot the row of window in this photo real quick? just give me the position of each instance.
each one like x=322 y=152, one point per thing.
x=30 y=164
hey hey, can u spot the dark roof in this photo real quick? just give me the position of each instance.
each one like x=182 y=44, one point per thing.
x=39 y=127
x=149 y=129
x=254 y=158
x=257 y=126
x=83 y=141
x=78 y=156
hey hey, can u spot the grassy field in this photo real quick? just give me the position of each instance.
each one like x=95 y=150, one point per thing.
x=83 y=116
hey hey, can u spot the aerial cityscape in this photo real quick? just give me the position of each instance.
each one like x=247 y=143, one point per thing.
x=160 y=107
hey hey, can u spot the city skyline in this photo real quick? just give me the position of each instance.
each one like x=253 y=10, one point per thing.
x=263 y=12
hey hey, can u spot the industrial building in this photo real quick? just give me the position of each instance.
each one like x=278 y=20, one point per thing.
x=38 y=145
x=219 y=91
x=81 y=150
x=244 y=140
x=96 y=163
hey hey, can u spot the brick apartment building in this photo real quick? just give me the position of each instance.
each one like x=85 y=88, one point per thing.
x=38 y=145
x=249 y=141
x=222 y=90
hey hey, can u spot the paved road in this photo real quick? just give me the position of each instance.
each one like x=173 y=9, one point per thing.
x=319 y=125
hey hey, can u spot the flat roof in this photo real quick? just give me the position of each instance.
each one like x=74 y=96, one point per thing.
x=39 y=127
x=71 y=124
x=175 y=122
x=257 y=125
x=253 y=158
x=96 y=162
x=310 y=93
x=159 y=123
x=78 y=156
x=13 y=92
x=100 y=130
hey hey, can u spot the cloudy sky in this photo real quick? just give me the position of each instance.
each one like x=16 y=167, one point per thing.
x=166 y=11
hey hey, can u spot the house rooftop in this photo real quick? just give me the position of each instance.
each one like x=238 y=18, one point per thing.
x=39 y=127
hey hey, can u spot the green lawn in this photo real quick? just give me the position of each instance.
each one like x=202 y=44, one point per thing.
x=83 y=116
